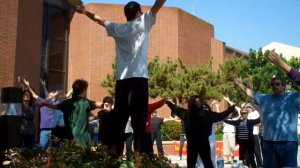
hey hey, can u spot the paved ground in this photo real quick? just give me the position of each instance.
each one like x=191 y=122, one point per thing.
x=182 y=163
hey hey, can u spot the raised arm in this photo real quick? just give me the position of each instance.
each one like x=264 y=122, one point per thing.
x=232 y=103
x=156 y=7
x=81 y=9
x=276 y=60
x=43 y=83
x=153 y=106
x=248 y=91
x=27 y=84
x=221 y=116
x=69 y=94
x=255 y=121
x=231 y=122
x=291 y=72
x=175 y=109
x=98 y=104
x=47 y=104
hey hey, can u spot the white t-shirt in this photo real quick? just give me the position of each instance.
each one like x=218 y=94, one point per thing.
x=228 y=128
x=254 y=115
x=131 y=40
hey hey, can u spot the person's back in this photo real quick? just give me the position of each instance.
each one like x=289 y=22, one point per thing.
x=131 y=92
x=131 y=40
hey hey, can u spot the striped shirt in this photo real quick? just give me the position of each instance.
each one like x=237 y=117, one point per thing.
x=243 y=131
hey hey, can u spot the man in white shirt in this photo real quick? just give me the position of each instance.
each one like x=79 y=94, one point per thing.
x=131 y=39
x=254 y=114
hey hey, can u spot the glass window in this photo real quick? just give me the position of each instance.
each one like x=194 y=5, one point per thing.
x=54 y=49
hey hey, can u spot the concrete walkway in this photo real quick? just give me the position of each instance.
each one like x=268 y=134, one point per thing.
x=182 y=163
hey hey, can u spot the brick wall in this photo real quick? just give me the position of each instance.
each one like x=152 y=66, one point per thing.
x=20 y=41
x=8 y=37
x=91 y=52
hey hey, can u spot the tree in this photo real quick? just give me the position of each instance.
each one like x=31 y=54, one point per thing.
x=174 y=78
x=254 y=69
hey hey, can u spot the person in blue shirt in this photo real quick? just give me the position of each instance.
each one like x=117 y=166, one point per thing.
x=279 y=115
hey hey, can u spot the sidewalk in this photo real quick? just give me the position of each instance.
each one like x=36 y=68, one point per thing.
x=182 y=163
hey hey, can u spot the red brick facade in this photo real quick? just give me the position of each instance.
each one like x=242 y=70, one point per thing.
x=176 y=34
x=20 y=41
x=90 y=53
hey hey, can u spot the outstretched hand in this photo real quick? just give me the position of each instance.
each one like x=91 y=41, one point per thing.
x=26 y=83
x=43 y=82
x=274 y=58
x=237 y=80
x=169 y=99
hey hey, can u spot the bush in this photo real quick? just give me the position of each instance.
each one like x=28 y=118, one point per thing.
x=71 y=155
x=171 y=130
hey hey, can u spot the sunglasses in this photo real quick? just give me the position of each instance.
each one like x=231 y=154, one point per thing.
x=275 y=84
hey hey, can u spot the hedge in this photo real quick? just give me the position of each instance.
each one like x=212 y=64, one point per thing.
x=171 y=130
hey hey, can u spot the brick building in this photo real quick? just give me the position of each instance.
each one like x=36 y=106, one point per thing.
x=46 y=39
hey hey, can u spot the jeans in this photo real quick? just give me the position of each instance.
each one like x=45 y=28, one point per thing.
x=277 y=154
x=45 y=139
x=182 y=140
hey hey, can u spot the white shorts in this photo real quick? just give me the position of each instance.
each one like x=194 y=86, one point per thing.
x=228 y=143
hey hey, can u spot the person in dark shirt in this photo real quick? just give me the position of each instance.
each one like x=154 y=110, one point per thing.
x=107 y=126
x=244 y=135
x=76 y=112
x=156 y=123
x=198 y=120
x=27 y=129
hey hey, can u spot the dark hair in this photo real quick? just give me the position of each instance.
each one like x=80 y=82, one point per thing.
x=191 y=104
x=30 y=103
x=108 y=99
x=79 y=86
x=282 y=80
x=131 y=9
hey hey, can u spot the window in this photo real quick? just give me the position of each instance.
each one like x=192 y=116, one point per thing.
x=54 y=47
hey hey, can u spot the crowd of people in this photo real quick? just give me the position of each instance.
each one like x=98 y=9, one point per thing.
x=129 y=117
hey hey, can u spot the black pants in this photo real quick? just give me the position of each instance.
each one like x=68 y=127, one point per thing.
x=257 y=151
x=156 y=136
x=182 y=140
x=247 y=147
x=132 y=100
x=199 y=146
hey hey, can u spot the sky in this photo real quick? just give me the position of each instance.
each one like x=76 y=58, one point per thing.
x=242 y=24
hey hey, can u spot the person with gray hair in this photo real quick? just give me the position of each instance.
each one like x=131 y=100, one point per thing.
x=279 y=114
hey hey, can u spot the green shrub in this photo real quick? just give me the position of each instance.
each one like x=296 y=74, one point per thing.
x=71 y=155
x=171 y=130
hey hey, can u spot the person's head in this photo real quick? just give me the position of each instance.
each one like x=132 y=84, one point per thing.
x=108 y=103
x=80 y=87
x=195 y=103
x=249 y=107
x=244 y=113
x=278 y=85
x=132 y=10
x=53 y=96
x=27 y=98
